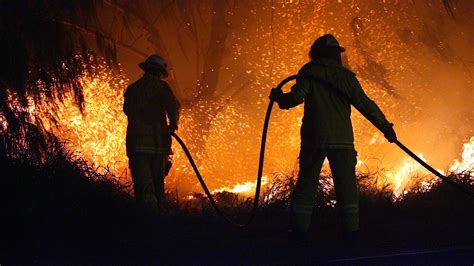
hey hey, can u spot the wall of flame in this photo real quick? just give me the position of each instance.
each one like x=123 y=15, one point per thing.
x=433 y=114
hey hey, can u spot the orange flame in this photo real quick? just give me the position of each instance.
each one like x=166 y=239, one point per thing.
x=99 y=137
x=247 y=188
x=467 y=162
x=407 y=175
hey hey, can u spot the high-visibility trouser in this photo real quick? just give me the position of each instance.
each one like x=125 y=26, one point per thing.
x=148 y=178
x=342 y=163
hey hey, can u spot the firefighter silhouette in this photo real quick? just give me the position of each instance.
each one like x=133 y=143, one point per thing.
x=148 y=104
x=326 y=131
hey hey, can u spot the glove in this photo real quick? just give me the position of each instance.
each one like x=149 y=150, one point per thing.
x=275 y=94
x=389 y=133
x=172 y=128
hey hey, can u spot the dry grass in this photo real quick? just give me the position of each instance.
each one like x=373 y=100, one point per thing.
x=59 y=200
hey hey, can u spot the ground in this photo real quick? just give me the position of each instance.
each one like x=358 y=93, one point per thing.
x=68 y=219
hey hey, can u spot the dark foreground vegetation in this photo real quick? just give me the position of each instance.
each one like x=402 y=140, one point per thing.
x=60 y=211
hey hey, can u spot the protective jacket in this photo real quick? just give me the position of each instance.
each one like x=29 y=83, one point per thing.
x=147 y=103
x=326 y=121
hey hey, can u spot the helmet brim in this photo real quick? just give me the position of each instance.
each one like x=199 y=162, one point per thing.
x=320 y=48
x=149 y=65
x=340 y=48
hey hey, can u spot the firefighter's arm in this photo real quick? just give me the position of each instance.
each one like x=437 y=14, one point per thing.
x=284 y=100
x=295 y=96
x=371 y=111
x=172 y=108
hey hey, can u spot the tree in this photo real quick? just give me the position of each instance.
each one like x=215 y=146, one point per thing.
x=201 y=27
x=41 y=60
x=47 y=47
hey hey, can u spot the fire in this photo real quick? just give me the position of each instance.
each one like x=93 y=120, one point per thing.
x=382 y=40
x=408 y=174
x=247 y=188
x=467 y=163
x=98 y=136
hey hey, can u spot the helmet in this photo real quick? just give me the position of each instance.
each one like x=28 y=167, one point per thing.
x=154 y=61
x=326 y=41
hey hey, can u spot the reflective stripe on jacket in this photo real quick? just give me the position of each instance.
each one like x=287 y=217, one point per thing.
x=147 y=103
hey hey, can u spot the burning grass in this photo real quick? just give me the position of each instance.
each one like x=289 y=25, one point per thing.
x=97 y=136
x=94 y=141
x=63 y=208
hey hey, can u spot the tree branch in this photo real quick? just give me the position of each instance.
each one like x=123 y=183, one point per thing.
x=107 y=38
x=154 y=38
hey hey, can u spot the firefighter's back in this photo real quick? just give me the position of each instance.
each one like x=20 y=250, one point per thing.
x=327 y=113
x=146 y=114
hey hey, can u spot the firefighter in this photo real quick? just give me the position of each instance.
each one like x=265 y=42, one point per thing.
x=326 y=131
x=148 y=104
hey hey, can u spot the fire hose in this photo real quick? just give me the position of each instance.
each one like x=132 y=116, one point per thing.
x=262 y=156
x=259 y=172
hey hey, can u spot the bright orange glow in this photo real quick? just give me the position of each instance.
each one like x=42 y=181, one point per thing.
x=393 y=43
x=467 y=162
x=99 y=137
x=246 y=189
x=408 y=174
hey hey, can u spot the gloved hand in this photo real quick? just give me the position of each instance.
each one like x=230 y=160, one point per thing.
x=172 y=128
x=275 y=94
x=389 y=133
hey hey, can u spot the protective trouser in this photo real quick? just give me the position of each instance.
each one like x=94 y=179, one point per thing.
x=342 y=163
x=148 y=179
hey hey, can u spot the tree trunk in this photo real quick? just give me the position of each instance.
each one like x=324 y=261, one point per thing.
x=214 y=55
x=154 y=38
x=208 y=82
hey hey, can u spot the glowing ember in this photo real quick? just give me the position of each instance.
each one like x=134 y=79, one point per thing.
x=382 y=39
x=98 y=136
x=190 y=197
